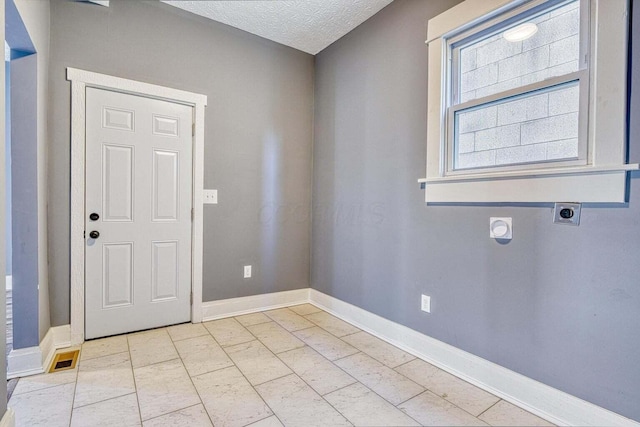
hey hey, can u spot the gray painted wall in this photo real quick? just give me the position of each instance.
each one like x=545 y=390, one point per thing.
x=559 y=304
x=24 y=204
x=3 y=317
x=257 y=138
x=7 y=165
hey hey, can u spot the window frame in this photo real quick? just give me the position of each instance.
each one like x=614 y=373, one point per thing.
x=599 y=173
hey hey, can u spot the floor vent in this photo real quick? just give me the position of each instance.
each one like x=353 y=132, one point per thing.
x=64 y=360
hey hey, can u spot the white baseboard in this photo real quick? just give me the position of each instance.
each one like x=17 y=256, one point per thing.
x=60 y=337
x=35 y=360
x=24 y=362
x=540 y=399
x=236 y=306
x=8 y=419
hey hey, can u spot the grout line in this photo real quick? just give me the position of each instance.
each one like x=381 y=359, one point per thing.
x=352 y=333
x=106 y=400
x=253 y=324
x=240 y=343
x=190 y=338
x=478 y=416
x=406 y=363
x=154 y=363
x=277 y=378
x=253 y=387
x=307 y=384
x=135 y=384
x=178 y=410
x=100 y=357
x=292 y=373
x=75 y=387
x=304 y=329
x=262 y=419
x=42 y=388
x=344 y=357
x=246 y=379
x=195 y=389
x=341 y=388
x=113 y=397
x=419 y=394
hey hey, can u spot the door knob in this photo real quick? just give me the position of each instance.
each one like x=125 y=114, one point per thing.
x=94 y=234
x=94 y=217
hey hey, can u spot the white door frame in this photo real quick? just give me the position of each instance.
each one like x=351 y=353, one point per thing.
x=80 y=80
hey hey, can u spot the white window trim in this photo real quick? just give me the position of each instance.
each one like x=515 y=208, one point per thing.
x=602 y=180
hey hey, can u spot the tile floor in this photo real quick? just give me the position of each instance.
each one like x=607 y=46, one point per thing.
x=296 y=366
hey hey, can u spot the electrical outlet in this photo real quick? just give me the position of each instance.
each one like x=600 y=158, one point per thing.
x=210 y=197
x=247 y=271
x=567 y=213
x=426 y=303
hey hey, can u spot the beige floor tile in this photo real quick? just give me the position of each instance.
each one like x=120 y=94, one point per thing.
x=326 y=344
x=50 y=407
x=186 y=331
x=363 y=407
x=432 y=410
x=202 y=354
x=121 y=411
x=229 y=398
x=419 y=371
x=275 y=337
x=332 y=324
x=379 y=378
x=185 y=376
x=272 y=421
x=228 y=332
x=257 y=362
x=104 y=378
x=505 y=414
x=104 y=347
x=151 y=347
x=304 y=309
x=382 y=351
x=252 y=319
x=288 y=319
x=296 y=404
x=322 y=375
x=195 y=416
x=163 y=388
x=459 y=392
x=42 y=381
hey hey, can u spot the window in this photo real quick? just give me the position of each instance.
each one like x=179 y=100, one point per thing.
x=527 y=102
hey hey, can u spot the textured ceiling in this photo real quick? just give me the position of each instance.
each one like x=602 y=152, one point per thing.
x=307 y=25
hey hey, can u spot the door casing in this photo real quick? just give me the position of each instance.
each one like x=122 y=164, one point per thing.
x=80 y=80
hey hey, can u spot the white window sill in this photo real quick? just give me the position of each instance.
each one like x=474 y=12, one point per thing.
x=605 y=184
x=532 y=173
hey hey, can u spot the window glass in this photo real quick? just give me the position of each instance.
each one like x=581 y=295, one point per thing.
x=494 y=64
x=539 y=126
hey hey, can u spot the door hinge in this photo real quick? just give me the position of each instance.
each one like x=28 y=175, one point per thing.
x=191 y=298
x=193 y=214
x=193 y=129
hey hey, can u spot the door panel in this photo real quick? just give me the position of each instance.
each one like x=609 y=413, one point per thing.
x=117 y=119
x=139 y=182
x=165 y=271
x=117 y=274
x=165 y=185
x=117 y=192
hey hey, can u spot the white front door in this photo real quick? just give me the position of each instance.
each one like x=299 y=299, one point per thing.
x=137 y=213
